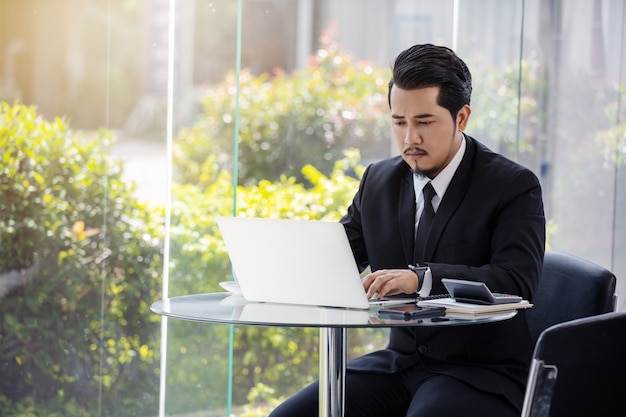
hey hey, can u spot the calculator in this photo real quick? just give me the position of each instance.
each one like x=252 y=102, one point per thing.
x=476 y=292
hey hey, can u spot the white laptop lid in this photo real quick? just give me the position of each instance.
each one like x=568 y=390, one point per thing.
x=293 y=261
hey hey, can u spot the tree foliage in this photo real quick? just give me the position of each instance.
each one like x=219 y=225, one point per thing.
x=507 y=112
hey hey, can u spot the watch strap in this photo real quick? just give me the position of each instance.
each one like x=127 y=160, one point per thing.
x=420 y=271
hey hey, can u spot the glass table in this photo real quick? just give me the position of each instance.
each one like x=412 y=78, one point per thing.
x=332 y=322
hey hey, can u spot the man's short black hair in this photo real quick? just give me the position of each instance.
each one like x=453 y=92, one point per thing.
x=428 y=65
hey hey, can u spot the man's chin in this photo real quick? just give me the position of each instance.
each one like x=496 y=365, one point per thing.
x=430 y=173
x=417 y=170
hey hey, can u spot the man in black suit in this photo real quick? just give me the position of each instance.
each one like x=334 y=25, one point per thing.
x=488 y=226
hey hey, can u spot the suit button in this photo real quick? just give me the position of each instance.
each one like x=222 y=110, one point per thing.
x=422 y=349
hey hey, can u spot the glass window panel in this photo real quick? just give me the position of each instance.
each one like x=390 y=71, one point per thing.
x=580 y=102
x=80 y=248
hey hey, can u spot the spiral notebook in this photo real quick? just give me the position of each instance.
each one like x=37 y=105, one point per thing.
x=296 y=262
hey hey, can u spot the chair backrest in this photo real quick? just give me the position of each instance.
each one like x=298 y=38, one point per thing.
x=569 y=288
x=578 y=369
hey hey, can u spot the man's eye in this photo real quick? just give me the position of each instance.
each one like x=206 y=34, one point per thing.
x=425 y=122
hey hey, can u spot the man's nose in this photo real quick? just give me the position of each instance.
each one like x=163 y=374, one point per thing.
x=412 y=137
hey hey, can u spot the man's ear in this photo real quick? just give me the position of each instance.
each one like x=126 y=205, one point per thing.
x=462 y=118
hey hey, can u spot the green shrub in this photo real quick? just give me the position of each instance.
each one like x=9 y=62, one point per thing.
x=506 y=111
x=288 y=121
x=75 y=327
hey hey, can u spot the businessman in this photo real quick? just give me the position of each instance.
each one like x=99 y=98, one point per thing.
x=447 y=206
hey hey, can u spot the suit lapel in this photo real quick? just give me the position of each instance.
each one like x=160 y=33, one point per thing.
x=406 y=215
x=452 y=198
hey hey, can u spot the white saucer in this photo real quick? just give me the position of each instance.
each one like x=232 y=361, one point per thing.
x=231 y=286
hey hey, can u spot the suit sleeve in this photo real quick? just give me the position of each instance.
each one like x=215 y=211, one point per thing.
x=352 y=223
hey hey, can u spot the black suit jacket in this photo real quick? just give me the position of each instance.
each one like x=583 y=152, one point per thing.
x=489 y=227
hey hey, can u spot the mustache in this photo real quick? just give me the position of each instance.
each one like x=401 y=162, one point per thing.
x=414 y=149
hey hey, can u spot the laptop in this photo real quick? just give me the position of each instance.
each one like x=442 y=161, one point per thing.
x=296 y=262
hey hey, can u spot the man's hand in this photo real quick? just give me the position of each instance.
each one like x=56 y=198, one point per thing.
x=390 y=281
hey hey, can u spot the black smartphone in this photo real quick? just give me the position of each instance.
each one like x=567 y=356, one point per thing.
x=410 y=312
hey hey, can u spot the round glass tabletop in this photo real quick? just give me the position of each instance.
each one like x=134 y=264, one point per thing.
x=233 y=309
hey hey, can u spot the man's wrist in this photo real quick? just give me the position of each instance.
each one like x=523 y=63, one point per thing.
x=420 y=271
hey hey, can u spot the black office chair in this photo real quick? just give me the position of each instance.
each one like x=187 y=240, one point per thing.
x=570 y=288
x=578 y=369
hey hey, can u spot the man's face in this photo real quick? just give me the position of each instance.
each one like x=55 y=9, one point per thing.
x=425 y=133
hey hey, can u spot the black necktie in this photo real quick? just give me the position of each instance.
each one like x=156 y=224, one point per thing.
x=426 y=218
